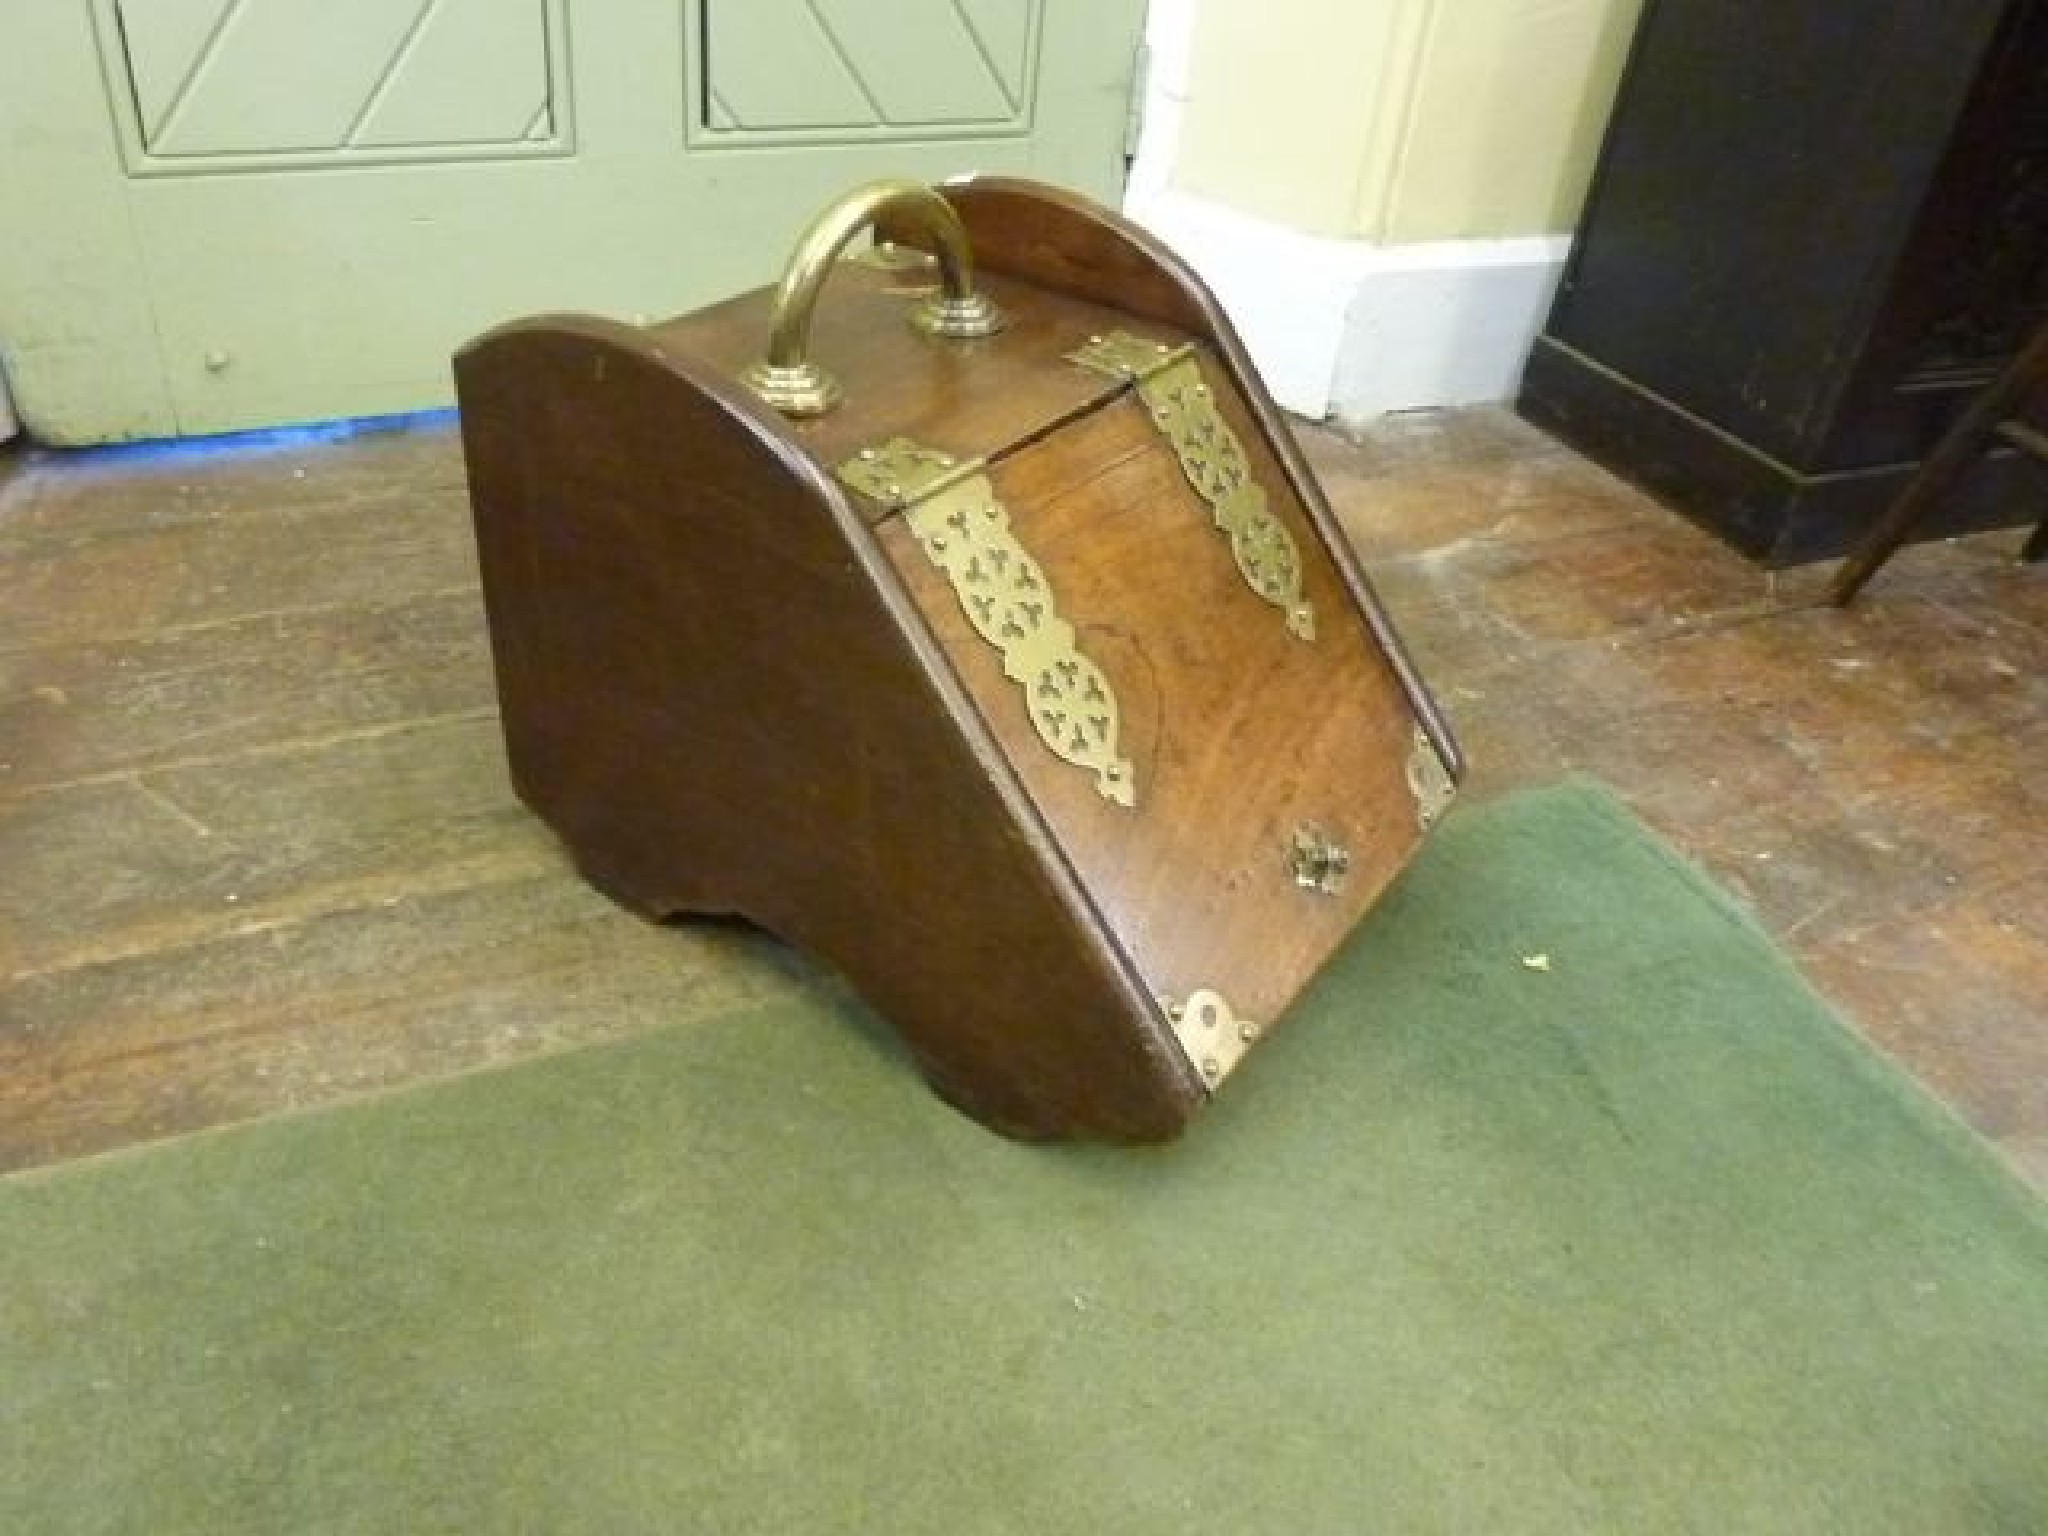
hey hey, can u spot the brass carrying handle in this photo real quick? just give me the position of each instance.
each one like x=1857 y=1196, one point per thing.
x=786 y=378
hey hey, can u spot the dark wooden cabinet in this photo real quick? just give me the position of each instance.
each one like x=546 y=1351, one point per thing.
x=1814 y=231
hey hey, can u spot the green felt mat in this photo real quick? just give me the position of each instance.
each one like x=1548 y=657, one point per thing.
x=1642 y=1243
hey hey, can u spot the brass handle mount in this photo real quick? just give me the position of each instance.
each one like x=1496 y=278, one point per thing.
x=787 y=378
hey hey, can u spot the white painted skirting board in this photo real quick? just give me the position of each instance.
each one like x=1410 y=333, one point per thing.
x=1350 y=329
x=1447 y=323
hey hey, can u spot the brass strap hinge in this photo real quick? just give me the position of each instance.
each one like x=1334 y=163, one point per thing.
x=1124 y=356
x=900 y=473
x=1183 y=408
x=964 y=530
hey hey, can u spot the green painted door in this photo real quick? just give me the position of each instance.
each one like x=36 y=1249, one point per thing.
x=218 y=214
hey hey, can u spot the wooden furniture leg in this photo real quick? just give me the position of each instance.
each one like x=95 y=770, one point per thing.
x=2022 y=378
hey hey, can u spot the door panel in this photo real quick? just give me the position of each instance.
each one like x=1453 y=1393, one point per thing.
x=776 y=66
x=763 y=62
x=239 y=84
x=241 y=212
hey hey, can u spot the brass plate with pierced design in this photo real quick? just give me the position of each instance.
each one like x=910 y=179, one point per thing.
x=1181 y=405
x=1211 y=1035
x=1429 y=780
x=1212 y=458
x=964 y=530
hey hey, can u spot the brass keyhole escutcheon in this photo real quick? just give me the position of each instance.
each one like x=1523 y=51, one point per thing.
x=1317 y=860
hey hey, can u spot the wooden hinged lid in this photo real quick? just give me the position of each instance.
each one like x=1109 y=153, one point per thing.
x=973 y=399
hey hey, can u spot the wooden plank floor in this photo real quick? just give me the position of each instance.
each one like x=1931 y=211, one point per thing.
x=257 y=849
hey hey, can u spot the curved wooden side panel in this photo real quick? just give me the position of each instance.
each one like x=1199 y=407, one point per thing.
x=717 y=694
x=1061 y=240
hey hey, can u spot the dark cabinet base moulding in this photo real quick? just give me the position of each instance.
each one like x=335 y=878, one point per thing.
x=1815 y=232
x=1770 y=511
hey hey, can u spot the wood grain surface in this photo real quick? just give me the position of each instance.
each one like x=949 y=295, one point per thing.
x=1238 y=732
x=1865 y=779
x=975 y=398
x=716 y=695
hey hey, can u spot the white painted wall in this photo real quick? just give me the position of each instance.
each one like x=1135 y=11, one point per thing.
x=1380 y=191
